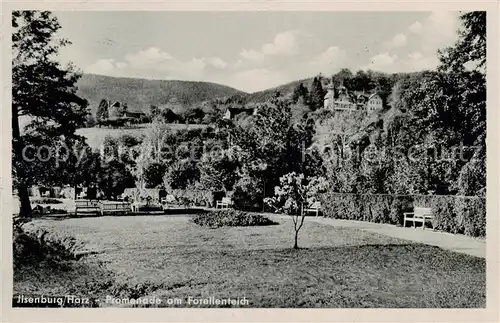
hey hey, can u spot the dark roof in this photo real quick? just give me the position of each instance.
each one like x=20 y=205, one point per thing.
x=372 y=95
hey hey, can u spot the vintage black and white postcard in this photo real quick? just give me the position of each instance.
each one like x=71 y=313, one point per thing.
x=238 y=158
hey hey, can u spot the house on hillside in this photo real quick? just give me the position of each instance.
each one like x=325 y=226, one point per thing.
x=361 y=99
x=232 y=112
x=134 y=114
x=115 y=110
x=343 y=99
x=374 y=103
x=119 y=112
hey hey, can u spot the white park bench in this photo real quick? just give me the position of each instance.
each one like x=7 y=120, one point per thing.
x=134 y=206
x=419 y=214
x=169 y=199
x=115 y=207
x=313 y=207
x=87 y=206
x=224 y=203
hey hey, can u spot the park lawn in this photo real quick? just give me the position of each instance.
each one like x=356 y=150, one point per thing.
x=169 y=257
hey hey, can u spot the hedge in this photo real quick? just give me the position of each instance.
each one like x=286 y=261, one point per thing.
x=454 y=214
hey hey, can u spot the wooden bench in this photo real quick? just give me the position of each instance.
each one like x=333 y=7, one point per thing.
x=313 y=207
x=115 y=207
x=135 y=206
x=169 y=199
x=419 y=214
x=81 y=195
x=224 y=203
x=87 y=206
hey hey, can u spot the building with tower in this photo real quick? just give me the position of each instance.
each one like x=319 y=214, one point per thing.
x=342 y=99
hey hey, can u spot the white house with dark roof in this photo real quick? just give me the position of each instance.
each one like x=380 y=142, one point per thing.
x=374 y=103
x=345 y=100
x=117 y=111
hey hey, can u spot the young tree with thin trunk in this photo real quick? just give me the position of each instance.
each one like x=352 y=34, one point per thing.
x=293 y=195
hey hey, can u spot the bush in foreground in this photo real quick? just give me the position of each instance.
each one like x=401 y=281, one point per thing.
x=230 y=218
x=32 y=244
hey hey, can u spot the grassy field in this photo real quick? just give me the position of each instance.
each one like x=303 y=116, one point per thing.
x=169 y=257
x=95 y=136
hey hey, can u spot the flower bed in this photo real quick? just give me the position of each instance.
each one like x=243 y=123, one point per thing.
x=230 y=218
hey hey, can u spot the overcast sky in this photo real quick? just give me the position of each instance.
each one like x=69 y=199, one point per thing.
x=252 y=51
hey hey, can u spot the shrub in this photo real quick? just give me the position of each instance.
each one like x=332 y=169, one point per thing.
x=377 y=209
x=399 y=205
x=58 y=211
x=129 y=140
x=472 y=215
x=149 y=208
x=32 y=244
x=40 y=210
x=230 y=218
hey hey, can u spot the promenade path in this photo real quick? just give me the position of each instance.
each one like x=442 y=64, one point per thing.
x=455 y=242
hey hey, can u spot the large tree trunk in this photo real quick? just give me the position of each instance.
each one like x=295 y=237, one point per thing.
x=24 y=199
x=18 y=145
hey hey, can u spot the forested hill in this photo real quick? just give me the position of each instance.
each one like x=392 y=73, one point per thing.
x=284 y=89
x=359 y=81
x=139 y=94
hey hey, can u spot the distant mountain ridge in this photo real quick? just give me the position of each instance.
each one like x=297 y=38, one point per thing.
x=140 y=94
